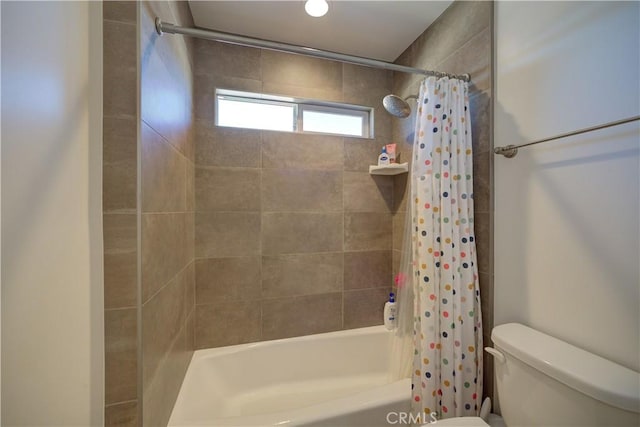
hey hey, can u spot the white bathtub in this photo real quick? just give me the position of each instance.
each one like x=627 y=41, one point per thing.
x=333 y=379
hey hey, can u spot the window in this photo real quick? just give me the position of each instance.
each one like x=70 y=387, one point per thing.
x=258 y=111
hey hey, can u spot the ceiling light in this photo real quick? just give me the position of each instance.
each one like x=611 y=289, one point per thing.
x=316 y=8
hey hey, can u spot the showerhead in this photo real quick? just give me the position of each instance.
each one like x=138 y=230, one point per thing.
x=397 y=106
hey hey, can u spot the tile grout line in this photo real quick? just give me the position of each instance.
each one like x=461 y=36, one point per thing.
x=109 y=405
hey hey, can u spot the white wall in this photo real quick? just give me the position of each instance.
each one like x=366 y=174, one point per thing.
x=52 y=333
x=567 y=227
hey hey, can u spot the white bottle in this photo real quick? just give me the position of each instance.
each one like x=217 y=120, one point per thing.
x=390 y=313
x=383 y=158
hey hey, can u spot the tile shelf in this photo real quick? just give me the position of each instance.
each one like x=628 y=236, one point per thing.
x=392 y=169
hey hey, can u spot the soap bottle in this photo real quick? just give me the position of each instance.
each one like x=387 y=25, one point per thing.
x=390 y=313
x=383 y=159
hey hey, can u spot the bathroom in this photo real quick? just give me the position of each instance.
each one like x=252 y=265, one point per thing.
x=135 y=231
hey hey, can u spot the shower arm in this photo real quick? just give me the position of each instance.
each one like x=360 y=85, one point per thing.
x=165 y=27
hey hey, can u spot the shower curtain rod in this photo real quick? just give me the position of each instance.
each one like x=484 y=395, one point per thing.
x=510 y=151
x=165 y=27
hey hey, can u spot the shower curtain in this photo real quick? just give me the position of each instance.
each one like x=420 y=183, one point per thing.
x=440 y=275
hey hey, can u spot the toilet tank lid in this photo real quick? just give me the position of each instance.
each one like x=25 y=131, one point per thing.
x=592 y=375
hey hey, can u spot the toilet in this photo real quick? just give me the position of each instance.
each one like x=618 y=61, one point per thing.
x=543 y=381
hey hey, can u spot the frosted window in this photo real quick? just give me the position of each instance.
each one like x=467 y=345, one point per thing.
x=270 y=112
x=317 y=121
x=255 y=115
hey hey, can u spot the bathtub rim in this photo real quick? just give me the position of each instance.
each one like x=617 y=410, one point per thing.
x=230 y=349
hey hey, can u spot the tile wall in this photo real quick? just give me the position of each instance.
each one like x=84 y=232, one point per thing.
x=293 y=236
x=120 y=212
x=167 y=286
x=148 y=203
x=459 y=41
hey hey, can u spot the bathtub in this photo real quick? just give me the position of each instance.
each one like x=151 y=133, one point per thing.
x=332 y=379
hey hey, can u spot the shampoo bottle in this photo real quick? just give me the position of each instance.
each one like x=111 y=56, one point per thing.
x=390 y=311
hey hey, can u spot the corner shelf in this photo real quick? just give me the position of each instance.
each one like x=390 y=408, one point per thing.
x=392 y=169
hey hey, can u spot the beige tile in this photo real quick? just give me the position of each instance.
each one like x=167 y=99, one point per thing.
x=480 y=111
x=190 y=332
x=119 y=75
x=225 y=234
x=120 y=336
x=166 y=83
x=457 y=25
x=364 y=307
x=164 y=172
x=227 y=189
x=405 y=84
x=190 y=179
x=182 y=12
x=119 y=167
x=360 y=82
x=190 y=143
x=483 y=244
x=403 y=132
x=121 y=414
x=119 y=232
x=165 y=249
x=301 y=190
x=482 y=182
x=367 y=193
x=296 y=70
x=190 y=224
x=290 y=317
x=404 y=142
x=227 y=146
x=229 y=81
x=301 y=274
x=401 y=192
x=359 y=154
x=174 y=126
x=282 y=150
x=383 y=124
x=223 y=324
x=367 y=86
x=160 y=394
x=397 y=258
x=367 y=231
x=473 y=58
x=204 y=97
x=227 y=60
x=371 y=269
x=120 y=278
x=163 y=317
x=122 y=11
x=301 y=232
x=189 y=285
x=161 y=9
x=399 y=224
x=486 y=301
x=227 y=279
x=333 y=94
x=120 y=260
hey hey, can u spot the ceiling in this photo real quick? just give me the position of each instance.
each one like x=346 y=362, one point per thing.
x=373 y=29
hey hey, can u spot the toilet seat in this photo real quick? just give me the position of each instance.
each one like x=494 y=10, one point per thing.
x=459 y=422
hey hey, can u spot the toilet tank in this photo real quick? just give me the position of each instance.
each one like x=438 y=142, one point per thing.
x=543 y=381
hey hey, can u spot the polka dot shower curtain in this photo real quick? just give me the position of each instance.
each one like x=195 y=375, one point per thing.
x=447 y=363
